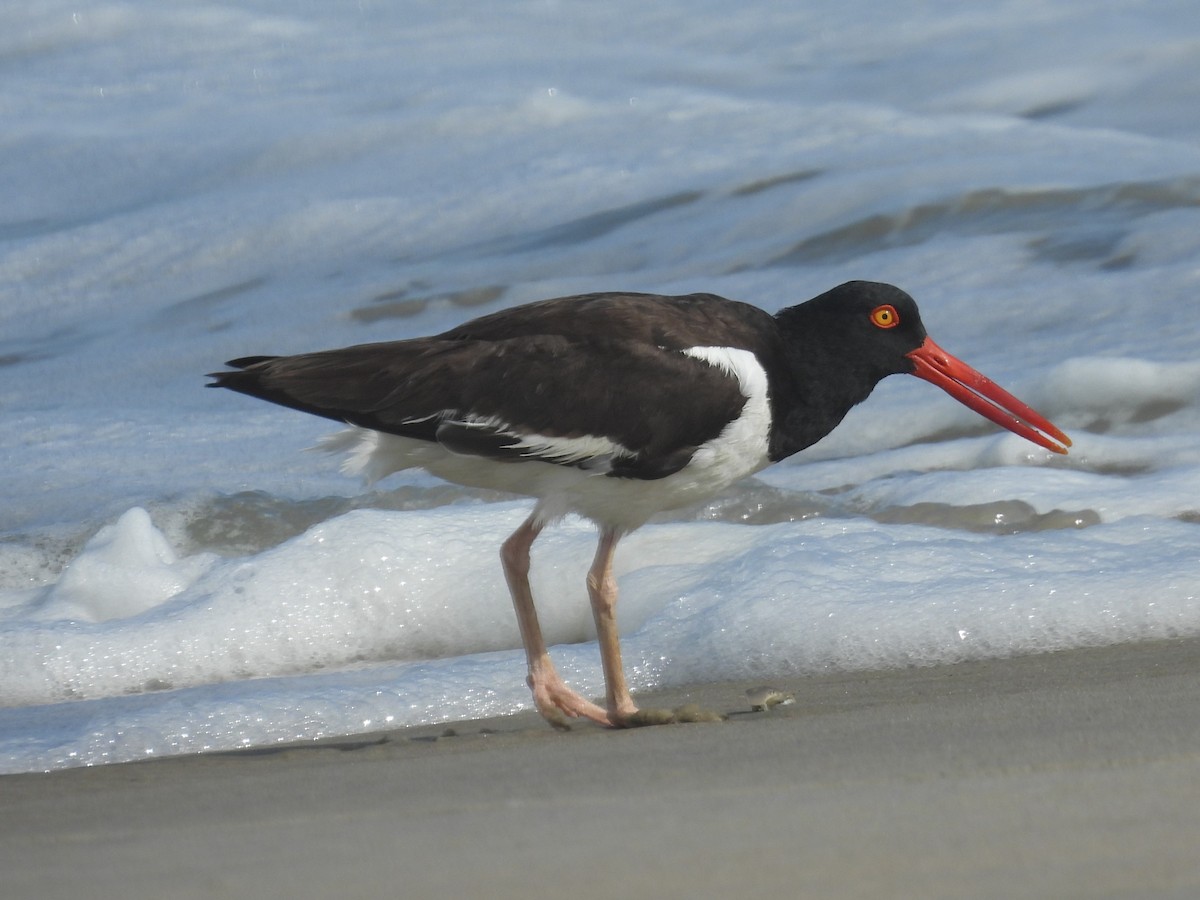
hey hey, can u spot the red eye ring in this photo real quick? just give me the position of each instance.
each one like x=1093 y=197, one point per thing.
x=885 y=316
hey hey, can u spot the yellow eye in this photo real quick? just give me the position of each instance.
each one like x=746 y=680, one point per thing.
x=885 y=316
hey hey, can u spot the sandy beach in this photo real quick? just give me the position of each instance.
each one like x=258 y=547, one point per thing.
x=1074 y=774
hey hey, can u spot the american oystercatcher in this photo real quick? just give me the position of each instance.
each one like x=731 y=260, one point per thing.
x=615 y=406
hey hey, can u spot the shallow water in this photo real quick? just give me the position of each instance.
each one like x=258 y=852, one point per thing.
x=188 y=186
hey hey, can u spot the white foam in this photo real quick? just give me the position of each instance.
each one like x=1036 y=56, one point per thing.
x=279 y=181
x=700 y=601
x=126 y=569
x=365 y=587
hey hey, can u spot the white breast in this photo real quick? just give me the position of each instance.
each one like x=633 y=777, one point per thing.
x=744 y=441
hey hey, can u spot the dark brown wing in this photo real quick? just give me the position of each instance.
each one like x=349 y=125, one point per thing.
x=491 y=397
x=670 y=322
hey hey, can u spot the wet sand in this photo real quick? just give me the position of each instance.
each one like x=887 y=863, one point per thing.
x=1073 y=774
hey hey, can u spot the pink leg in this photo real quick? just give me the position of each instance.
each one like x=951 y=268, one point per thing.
x=602 y=589
x=550 y=693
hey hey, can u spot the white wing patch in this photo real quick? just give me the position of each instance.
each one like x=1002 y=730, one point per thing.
x=374 y=455
x=590 y=451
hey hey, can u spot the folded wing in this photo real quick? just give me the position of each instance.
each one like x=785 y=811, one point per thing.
x=563 y=400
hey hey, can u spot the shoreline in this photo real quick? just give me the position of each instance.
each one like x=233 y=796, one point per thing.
x=1067 y=774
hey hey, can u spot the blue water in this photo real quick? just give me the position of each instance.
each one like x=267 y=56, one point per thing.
x=187 y=186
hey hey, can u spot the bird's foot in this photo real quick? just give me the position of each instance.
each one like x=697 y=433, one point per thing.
x=555 y=701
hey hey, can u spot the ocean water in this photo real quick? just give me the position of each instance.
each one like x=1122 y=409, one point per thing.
x=184 y=186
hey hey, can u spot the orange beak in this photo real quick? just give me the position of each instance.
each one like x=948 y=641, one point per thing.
x=984 y=396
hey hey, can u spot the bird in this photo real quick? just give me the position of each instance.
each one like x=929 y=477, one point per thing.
x=616 y=406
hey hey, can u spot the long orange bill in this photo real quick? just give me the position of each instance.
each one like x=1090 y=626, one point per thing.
x=984 y=396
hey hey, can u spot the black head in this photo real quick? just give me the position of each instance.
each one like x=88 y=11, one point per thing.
x=867 y=327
